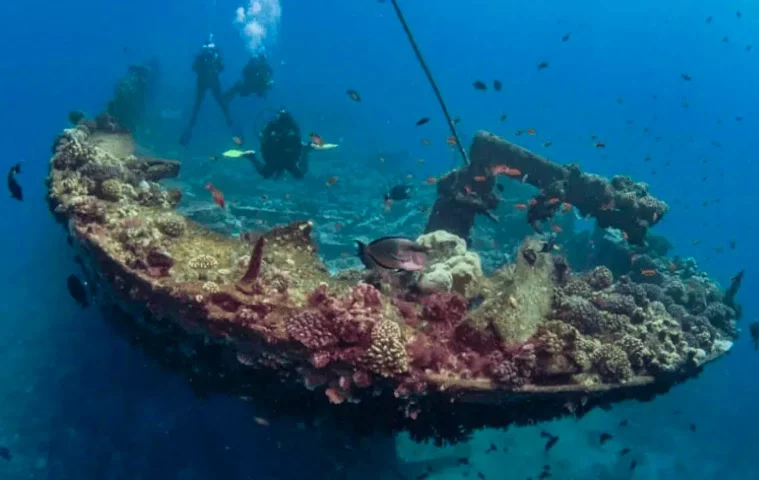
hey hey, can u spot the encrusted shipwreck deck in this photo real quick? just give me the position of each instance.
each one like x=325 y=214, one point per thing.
x=265 y=320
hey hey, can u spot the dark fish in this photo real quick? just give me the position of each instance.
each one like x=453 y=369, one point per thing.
x=738 y=14
x=754 y=330
x=709 y=19
x=13 y=185
x=394 y=253
x=422 y=476
x=492 y=447
x=398 y=192
x=544 y=474
x=479 y=85
x=499 y=187
x=497 y=85
x=422 y=121
x=624 y=423
x=738 y=119
x=686 y=77
x=633 y=464
x=692 y=427
x=472 y=304
x=481 y=475
x=748 y=48
x=456 y=121
x=5 y=453
x=565 y=37
x=504 y=117
x=725 y=39
x=551 y=440
x=624 y=452
x=542 y=65
x=463 y=461
x=354 y=95
x=605 y=437
x=77 y=291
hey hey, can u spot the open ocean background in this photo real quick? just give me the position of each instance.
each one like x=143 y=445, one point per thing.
x=78 y=402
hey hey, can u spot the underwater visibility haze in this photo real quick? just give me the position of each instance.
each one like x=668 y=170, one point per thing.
x=394 y=239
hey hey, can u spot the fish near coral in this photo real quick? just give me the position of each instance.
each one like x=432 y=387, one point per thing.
x=393 y=253
x=77 y=291
x=13 y=185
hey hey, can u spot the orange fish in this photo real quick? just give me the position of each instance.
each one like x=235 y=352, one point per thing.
x=566 y=207
x=530 y=131
x=553 y=201
x=426 y=142
x=599 y=145
x=656 y=217
x=557 y=228
x=264 y=197
x=451 y=141
x=218 y=197
x=672 y=266
x=237 y=140
x=480 y=178
x=648 y=273
x=520 y=206
x=331 y=181
x=431 y=180
x=505 y=170
x=316 y=139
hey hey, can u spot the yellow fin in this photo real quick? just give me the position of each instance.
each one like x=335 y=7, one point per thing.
x=237 y=153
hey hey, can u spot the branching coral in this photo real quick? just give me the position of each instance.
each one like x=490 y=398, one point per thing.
x=387 y=354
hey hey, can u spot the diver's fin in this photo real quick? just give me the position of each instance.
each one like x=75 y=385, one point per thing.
x=238 y=153
x=324 y=146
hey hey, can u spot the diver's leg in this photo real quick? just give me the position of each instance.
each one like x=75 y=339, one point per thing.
x=216 y=92
x=263 y=169
x=235 y=90
x=200 y=92
x=296 y=172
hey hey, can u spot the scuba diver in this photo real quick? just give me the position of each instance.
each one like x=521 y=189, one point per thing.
x=282 y=148
x=207 y=66
x=256 y=78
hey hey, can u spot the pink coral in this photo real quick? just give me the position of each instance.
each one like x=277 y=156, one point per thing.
x=311 y=329
x=449 y=308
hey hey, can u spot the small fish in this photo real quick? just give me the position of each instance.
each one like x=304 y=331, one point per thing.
x=520 y=206
x=481 y=475
x=754 y=330
x=500 y=187
x=451 y=141
x=738 y=14
x=633 y=464
x=398 y=192
x=422 y=121
x=648 y=273
x=566 y=37
x=556 y=228
x=624 y=423
x=725 y=39
x=353 y=95
x=542 y=65
x=456 y=121
x=748 y=48
x=431 y=180
x=547 y=143
x=13 y=185
x=77 y=291
x=732 y=244
x=316 y=139
x=738 y=119
x=544 y=474
x=709 y=19
x=218 y=196
x=480 y=178
x=5 y=453
x=463 y=461
x=261 y=421
x=497 y=85
x=332 y=180
x=605 y=437
x=393 y=253
x=237 y=140
x=599 y=145
x=686 y=77
x=624 y=452
x=530 y=131
x=479 y=85
x=692 y=427
x=426 y=142
x=505 y=170
x=491 y=448
x=551 y=440
x=263 y=197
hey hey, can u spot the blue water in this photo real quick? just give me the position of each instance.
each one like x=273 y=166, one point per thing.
x=77 y=401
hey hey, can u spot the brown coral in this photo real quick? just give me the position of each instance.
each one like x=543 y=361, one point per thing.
x=612 y=364
x=387 y=354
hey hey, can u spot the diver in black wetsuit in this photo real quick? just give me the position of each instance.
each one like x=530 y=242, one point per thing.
x=207 y=66
x=256 y=78
x=282 y=148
